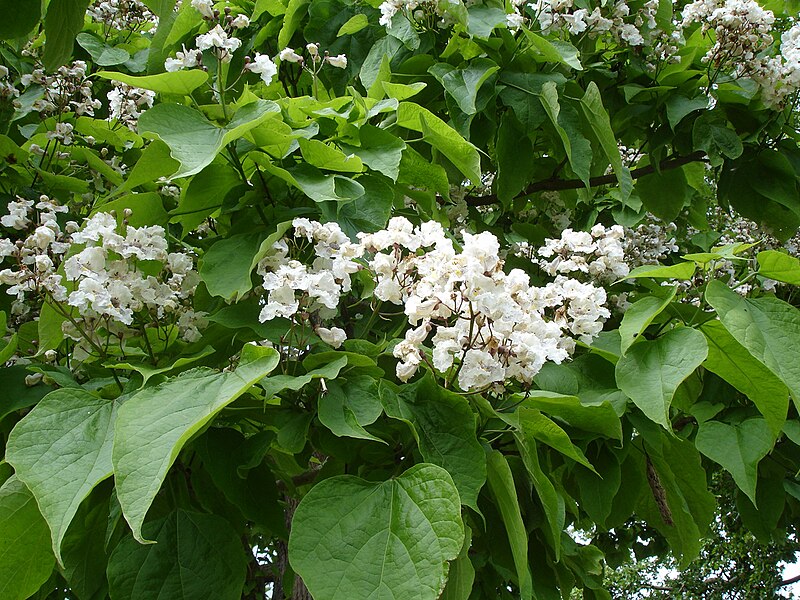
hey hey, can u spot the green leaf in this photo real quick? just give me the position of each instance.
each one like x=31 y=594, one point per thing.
x=154 y=424
x=664 y=194
x=194 y=141
x=226 y=266
x=278 y=383
x=533 y=424
x=779 y=266
x=147 y=371
x=346 y=413
x=597 y=115
x=178 y=83
x=652 y=370
x=254 y=491
x=552 y=502
x=63 y=21
x=102 y=54
x=26 y=559
x=146 y=209
x=84 y=548
x=639 y=316
x=767 y=327
x=327 y=156
x=679 y=106
x=16 y=395
x=684 y=481
x=576 y=146
x=196 y=556
x=205 y=195
x=552 y=50
x=738 y=448
x=353 y=25
x=61 y=450
x=295 y=11
x=379 y=150
x=484 y=19
x=442 y=137
x=732 y=361
x=501 y=484
x=353 y=538
x=595 y=418
x=18 y=19
x=463 y=84
x=682 y=270
x=444 y=426
x=461 y=575
x=716 y=139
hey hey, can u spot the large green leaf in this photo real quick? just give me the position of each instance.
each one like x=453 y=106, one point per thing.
x=552 y=502
x=444 y=426
x=598 y=118
x=84 y=548
x=154 y=424
x=194 y=141
x=346 y=408
x=463 y=84
x=63 y=21
x=61 y=450
x=205 y=195
x=564 y=120
x=379 y=150
x=779 y=266
x=596 y=418
x=26 y=560
x=178 y=83
x=738 y=448
x=501 y=484
x=226 y=266
x=442 y=137
x=652 y=370
x=16 y=395
x=554 y=50
x=102 y=54
x=680 y=476
x=768 y=327
x=196 y=556
x=18 y=18
x=639 y=316
x=531 y=423
x=353 y=538
x=732 y=361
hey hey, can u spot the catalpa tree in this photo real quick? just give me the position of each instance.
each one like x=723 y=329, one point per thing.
x=393 y=300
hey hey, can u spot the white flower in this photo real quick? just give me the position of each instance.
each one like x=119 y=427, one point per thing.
x=340 y=61
x=204 y=7
x=313 y=49
x=289 y=55
x=218 y=38
x=333 y=336
x=240 y=22
x=263 y=65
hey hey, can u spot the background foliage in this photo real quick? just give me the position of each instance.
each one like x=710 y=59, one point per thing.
x=221 y=373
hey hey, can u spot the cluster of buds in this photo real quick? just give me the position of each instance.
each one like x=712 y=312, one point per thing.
x=206 y=8
x=317 y=59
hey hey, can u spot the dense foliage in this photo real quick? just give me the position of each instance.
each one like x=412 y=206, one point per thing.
x=415 y=299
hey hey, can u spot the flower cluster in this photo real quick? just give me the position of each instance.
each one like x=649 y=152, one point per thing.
x=293 y=287
x=123 y=14
x=779 y=76
x=126 y=103
x=613 y=19
x=598 y=253
x=219 y=39
x=742 y=29
x=423 y=13
x=289 y=55
x=68 y=89
x=7 y=89
x=650 y=242
x=496 y=324
x=119 y=276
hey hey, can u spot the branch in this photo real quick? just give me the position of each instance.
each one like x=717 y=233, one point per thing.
x=789 y=581
x=673 y=162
